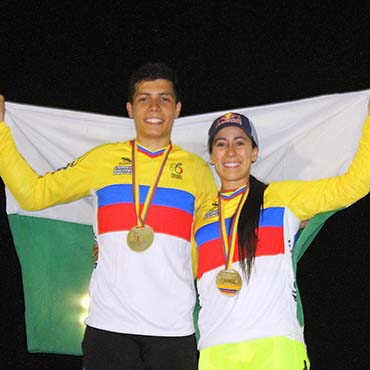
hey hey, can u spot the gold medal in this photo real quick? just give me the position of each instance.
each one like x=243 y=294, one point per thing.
x=140 y=238
x=229 y=282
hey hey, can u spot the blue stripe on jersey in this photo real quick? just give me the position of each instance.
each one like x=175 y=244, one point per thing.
x=273 y=216
x=122 y=193
x=208 y=232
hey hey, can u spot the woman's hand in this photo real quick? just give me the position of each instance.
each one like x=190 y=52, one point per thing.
x=2 y=108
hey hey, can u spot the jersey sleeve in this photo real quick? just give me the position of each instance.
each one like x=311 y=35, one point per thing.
x=207 y=191
x=33 y=191
x=308 y=198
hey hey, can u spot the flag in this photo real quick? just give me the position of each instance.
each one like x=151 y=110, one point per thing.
x=305 y=139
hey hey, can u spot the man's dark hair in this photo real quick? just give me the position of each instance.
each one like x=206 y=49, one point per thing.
x=151 y=72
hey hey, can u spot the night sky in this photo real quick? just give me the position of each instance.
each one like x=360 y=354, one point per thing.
x=78 y=56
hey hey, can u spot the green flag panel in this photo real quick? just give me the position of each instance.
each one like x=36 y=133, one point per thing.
x=56 y=263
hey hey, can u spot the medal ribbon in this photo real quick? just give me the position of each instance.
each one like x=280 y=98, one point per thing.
x=135 y=185
x=229 y=243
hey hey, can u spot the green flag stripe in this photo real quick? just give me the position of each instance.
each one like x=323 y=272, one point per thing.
x=304 y=240
x=56 y=262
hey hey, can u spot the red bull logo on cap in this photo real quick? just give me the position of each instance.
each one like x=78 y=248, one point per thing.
x=229 y=117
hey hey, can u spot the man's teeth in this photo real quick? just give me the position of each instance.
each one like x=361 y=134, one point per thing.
x=231 y=164
x=153 y=120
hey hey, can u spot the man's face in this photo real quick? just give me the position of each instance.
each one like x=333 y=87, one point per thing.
x=154 y=110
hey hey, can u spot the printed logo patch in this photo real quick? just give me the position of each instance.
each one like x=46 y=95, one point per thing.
x=176 y=170
x=125 y=160
x=213 y=212
x=229 y=117
x=122 y=170
x=124 y=167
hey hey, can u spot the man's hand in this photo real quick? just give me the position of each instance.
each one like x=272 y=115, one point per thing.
x=95 y=252
x=2 y=108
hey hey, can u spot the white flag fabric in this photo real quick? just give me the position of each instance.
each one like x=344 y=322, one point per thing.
x=305 y=139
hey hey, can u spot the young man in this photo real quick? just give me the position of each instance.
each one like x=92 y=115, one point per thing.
x=148 y=192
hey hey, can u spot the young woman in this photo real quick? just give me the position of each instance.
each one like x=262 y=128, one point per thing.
x=245 y=241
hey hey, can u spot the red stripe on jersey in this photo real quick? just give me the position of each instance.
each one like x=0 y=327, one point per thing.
x=211 y=255
x=270 y=241
x=166 y=220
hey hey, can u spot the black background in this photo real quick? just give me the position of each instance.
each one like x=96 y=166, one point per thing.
x=231 y=54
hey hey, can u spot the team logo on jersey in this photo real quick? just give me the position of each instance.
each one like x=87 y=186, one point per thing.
x=125 y=160
x=124 y=167
x=176 y=170
x=213 y=211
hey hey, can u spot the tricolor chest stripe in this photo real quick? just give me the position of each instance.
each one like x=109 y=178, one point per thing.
x=171 y=211
x=270 y=240
x=270 y=217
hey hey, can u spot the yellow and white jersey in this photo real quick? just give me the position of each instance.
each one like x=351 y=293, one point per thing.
x=150 y=292
x=266 y=306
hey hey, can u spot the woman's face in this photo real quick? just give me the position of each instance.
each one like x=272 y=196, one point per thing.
x=232 y=156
